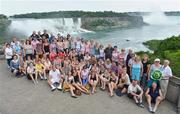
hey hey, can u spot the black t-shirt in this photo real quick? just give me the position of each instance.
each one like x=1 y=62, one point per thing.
x=145 y=64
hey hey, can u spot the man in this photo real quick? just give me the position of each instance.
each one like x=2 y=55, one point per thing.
x=166 y=74
x=135 y=92
x=55 y=77
x=153 y=95
x=108 y=52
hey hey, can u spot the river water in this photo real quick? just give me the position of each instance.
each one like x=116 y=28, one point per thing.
x=160 y=27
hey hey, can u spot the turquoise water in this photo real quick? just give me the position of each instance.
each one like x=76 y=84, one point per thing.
x=159 y=28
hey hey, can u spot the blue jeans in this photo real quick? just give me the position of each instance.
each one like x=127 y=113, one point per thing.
x=8 y=61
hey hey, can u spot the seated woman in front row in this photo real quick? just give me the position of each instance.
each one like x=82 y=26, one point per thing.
x=15 y=65
x=153 y=95
x=124 y=81
x=112 y=83
x=31 y=72
x=40 y=70
x=78 y=82
x=69 y=81
x=93 y=80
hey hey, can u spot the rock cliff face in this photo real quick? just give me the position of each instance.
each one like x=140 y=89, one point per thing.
x=101 y=23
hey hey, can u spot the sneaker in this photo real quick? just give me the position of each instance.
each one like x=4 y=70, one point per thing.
x=141 y=105
x=59 y=88
x=73 y=96
x=150 y=109
x=53 y=88
x=41 y=78
x=154 y=110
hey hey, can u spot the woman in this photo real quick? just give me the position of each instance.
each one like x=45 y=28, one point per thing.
x=93 y=80
x=154 y=67
x=40 y=70
x=34 y=43
x=146 y=67
x=85 y=75
x=112 y=83
x=46 y=49
x=124 y=81
x=104 y=78
x=47 y=65
x=28 y=49
x=69 y=80
x=53 y=46
x=8 y=54
x=101 y=52
x=136 y=69
x=15 y=65
x=78 y=81
x=167 y=73
x=31 y=73
x=108 y=64
x=96 y=50
x=115 y=55
x=39 y=49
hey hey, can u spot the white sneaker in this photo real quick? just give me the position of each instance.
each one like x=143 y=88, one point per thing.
x=150 y=109
x=59 y=87
x=53 y=88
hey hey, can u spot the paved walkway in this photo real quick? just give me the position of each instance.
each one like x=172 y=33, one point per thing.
x=20 y=96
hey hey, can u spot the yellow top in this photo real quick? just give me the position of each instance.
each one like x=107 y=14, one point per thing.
x=39 y=67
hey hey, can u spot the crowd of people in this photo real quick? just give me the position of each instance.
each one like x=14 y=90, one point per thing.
x=77 y=65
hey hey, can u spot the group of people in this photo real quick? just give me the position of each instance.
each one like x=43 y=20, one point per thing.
x=80 y=66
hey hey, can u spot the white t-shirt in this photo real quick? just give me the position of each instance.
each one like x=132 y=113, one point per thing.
x=8 y=53
x=134 y=89
x=55 y=74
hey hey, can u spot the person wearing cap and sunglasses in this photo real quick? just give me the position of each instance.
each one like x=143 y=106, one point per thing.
x=154 y=67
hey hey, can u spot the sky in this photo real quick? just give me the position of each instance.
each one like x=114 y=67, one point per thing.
x=11 y=7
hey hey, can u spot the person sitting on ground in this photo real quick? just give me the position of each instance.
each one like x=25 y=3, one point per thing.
x=85 y=75
x=15 y=65
x=55 y=77
x=153 y=95
x=135 y=92
x=112 y=83
x=77 y=81
x=124 y=81
x=93 y=80
x=40 y=70
x=31 y=73
x=69 y=81
x=104 y=78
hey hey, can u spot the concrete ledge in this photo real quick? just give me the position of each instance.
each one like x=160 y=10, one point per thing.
x=173 y=92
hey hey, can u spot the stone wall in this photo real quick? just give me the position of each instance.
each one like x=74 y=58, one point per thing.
x=173 y=92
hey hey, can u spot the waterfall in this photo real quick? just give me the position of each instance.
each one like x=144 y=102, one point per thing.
x=157 y=18
x=57 y=25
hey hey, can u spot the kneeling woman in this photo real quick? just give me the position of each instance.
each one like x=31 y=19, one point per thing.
x=93 y=80
x=69 y=81
x=78 y=81
x=112 y=83
x=31 y=72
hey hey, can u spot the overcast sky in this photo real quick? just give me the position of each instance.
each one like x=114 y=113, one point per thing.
x=10 y=7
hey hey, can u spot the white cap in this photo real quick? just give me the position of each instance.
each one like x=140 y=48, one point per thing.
x=157 y=60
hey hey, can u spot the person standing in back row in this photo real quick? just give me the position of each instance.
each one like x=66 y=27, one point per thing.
x=167 y=73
